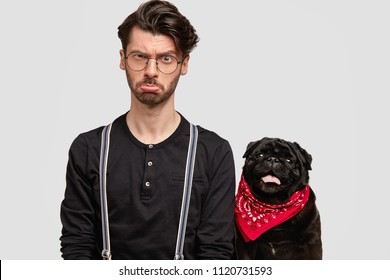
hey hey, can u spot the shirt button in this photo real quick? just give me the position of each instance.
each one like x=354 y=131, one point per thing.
x=147 y=184
x=150 y=163
x=150 y=146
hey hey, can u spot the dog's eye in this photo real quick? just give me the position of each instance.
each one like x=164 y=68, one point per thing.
x=258 y=155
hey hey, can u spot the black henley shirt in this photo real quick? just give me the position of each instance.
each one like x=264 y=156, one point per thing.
x=144 y=190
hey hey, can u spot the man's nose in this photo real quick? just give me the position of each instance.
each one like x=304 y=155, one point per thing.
x=151 y=69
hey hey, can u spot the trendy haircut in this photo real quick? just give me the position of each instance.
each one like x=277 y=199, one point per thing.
x=160 y=18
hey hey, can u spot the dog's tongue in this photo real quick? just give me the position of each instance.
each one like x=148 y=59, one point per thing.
x=271 y=179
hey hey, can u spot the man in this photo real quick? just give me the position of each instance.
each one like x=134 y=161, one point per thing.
x=147 y=159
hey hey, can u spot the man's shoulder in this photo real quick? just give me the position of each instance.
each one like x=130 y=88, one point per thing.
x=88 y=139
x=209 y=133
x=212 y=138
x=94 y=135
x=214 y=149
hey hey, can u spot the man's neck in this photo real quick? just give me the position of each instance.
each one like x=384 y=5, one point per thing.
x=152 y=125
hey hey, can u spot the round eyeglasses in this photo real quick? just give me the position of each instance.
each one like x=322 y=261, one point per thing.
x=166 y=64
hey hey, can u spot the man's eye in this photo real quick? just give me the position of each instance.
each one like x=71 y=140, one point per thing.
x=166 y=59
x=138 y=56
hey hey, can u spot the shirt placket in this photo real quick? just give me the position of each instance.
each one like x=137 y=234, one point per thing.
x=149 y=174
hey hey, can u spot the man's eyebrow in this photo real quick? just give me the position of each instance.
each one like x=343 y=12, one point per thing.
x=159 y=54
x=137 y=51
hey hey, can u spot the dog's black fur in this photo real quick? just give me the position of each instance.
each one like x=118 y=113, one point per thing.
x=300 y=236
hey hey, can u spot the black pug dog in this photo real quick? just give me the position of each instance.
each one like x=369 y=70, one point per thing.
x=276 y=214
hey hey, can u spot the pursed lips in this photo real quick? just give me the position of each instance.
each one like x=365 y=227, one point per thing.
x=149 y=88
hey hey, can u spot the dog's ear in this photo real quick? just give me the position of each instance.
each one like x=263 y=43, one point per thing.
x=252 y=145
x=303 y=156
x=249 y=148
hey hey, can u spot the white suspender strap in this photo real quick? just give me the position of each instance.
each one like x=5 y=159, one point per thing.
x=185 y=204
x=105 y=146
x=189 y=172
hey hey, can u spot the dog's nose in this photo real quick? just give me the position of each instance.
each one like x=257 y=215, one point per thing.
x=273 y=160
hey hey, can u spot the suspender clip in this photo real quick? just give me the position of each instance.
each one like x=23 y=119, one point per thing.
x=106 y=255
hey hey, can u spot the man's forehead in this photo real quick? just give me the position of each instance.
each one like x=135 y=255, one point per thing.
x=146 y=41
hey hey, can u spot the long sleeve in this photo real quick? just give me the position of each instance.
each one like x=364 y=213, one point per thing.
x=77 y=212
x=216 y=231
x=144 y=196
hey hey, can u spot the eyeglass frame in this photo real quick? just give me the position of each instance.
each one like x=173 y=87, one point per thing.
x=156 y=59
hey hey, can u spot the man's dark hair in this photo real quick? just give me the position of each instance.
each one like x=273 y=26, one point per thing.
x=163 y=18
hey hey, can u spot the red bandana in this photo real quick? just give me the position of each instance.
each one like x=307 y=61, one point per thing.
x=254 y=217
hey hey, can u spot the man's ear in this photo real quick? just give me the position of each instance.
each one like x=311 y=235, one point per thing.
x=184 y=65
x=122 y=63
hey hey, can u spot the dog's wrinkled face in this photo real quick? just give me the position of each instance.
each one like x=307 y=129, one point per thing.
x=275 y=169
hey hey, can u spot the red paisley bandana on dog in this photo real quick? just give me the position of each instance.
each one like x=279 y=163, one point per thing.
x=254 y=217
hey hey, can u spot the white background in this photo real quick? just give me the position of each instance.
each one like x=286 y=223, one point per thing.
x=314 y=72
